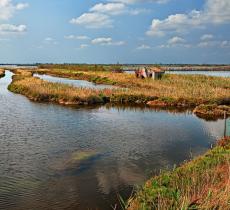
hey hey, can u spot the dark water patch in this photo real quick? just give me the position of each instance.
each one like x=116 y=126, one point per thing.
x=130 y=145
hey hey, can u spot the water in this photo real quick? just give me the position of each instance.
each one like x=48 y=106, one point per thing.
x=126 y=147
x=76 y=83
x=207 y=73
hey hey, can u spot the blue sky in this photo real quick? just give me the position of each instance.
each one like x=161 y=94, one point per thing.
x=111 y=31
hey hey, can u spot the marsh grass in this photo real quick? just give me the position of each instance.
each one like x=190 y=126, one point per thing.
x=203 y=183
x=182 y=90
x=2 y=73
x=39 y=90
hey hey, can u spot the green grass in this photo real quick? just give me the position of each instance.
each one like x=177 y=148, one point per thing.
x=203 y=183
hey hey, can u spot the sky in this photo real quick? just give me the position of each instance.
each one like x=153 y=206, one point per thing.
x=111 y=31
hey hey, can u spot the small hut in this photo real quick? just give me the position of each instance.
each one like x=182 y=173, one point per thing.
x=156 y=73
x=152 y=72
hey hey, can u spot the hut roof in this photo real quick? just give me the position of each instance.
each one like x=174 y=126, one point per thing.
x=156 y=69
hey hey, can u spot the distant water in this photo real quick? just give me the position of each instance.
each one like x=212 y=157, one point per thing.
x=76 y=83
x=54 y=157
x=207 y=73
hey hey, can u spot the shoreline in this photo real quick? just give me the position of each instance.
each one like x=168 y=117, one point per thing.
x=2 y=73
x=202 y=183
x=24 y=83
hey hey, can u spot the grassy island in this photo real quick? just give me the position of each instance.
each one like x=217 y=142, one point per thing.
x=171 y=91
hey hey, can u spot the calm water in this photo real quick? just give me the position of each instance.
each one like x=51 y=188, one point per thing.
x=207 y=73
x=77 y=83
x=126 y=146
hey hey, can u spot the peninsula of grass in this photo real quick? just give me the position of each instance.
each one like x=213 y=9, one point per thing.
x=203 y=183
x=183 y=91
x=2 y=73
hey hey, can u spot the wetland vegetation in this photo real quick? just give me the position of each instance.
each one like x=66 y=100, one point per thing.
x=191 y=91
x=203 y=183
x=2 y=73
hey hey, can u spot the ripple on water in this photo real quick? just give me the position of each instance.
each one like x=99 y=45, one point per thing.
x=127 y=147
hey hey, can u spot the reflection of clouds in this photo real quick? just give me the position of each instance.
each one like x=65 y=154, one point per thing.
x=123 y=174
x=215 y=128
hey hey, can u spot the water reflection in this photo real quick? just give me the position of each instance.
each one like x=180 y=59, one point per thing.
x=133 y=144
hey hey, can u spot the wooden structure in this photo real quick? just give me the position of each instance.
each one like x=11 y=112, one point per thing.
x=151 y=72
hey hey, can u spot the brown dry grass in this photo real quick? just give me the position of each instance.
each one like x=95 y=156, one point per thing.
x=187 y=89
x=2 y=73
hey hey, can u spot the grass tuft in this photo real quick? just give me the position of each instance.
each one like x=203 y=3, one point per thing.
x=203 y=183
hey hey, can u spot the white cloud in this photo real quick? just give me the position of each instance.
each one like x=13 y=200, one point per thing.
x=9 y=28
x=116 y=9
x=50 y=41
x=110 y=8
x=225 y=44
x=177 y=23
x=206 y=37
x=140 y=1
x=99 y=16
x=214 y=43
x=143 y=47
x=93 y=20
x=176 y=40
x=7 y=8
x=107 y=41
x=81 y=37
x=83 y=46
x=215 y=12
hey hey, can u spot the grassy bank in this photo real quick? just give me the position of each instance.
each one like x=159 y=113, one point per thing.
x=2 y=73
x=203 y=183
x=42 y=91
x=172 y=91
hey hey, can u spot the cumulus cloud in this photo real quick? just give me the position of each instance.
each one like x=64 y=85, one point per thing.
x=9 y=28
x=81 y=37
x=7 y=8
x=50 y=41
x=214 y=43
x=83 y=46
x=140 y=1
x=206 y=37
x=106 y=41
x=110 y=8
x=99 y=16
x=93 y=20
x=176 y=40
x=143 y=47
x=225 y=44
x=215 y=12
x=116 y=9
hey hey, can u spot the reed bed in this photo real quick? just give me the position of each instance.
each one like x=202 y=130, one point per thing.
x=2 y=73
x=39 y=90
x=185 y=90
x=203 y=183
